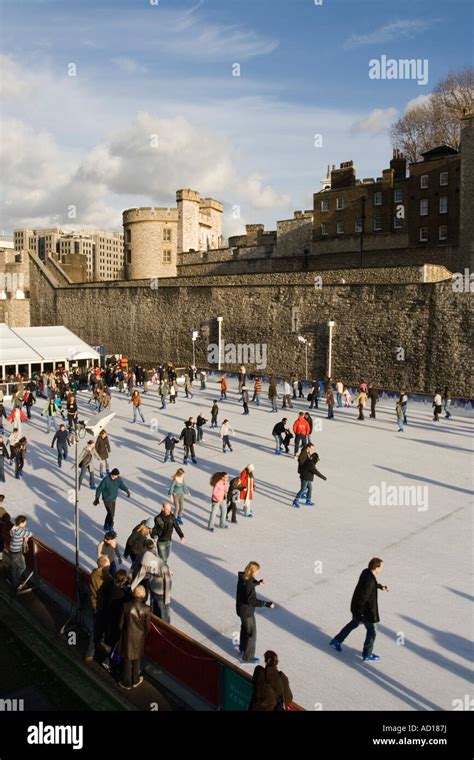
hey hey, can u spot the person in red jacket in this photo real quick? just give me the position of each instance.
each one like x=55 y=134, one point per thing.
x=301 y=430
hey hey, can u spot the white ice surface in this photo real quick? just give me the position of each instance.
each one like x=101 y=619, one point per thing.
x=427 y=554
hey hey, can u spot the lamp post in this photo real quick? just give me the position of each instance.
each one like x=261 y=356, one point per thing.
x=219 y=341
x=306 y=344
x=194 y=339
x=331 y=324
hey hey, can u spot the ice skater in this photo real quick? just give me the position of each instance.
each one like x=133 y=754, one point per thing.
x=226 y=430
x=246 y=602
x=307 y=471
x=61 y=439
x=364 y=608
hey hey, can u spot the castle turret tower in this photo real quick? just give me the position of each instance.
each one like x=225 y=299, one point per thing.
x=188 y=216
x=150 y=242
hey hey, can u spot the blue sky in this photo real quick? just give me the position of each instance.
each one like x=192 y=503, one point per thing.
x=165 y=70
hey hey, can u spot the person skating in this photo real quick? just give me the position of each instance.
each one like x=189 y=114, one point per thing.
x=224 y=387
x=233 y=496
x=71 y=411
x=273 y=394
x=287 y=395
x=136 y=402
x=278 y=430
x=437 y=405
x=330 y=402
x=102 y=448
x=242 y=376
x=447 y=402
x=218 y=482
x=19 y=537
x=4 y=456
x=339 y=392
x=3 y=415
x=188 y=387
x=271 y=688
x=29 y=401
x=309 y=420
x=225 y=432
x=307 y=471
x=188 y=436
x=173 y=392
x=170 y=442
x=245 y=604
x=347 y=396
x=61 y=439
x=136 y=541
x=364 y=609
x=164 y=391
x=108 y=488
x=203 y=378
x=257 y=391
x=301 y=432
x=214 y=413
x=374 y=397
x=165 y=524
x=246 y=488
x=245 y=399
x=86 y=463
x=178 y=489
x=404 y=404
x=51 y=411
x=200 y=422
x=135 y=622
x=399 y=414
x=18 y=453
x=313 y=397
x=361 y=402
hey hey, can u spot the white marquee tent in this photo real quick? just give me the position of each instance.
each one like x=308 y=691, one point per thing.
x=34 y=349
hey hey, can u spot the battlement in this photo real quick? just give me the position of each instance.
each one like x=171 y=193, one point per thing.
x=188 y=195
x=149 y=214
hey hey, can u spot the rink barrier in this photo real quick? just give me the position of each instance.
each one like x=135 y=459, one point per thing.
x=384 y=394
x=216 y=681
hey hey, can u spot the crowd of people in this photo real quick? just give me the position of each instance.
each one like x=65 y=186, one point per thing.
x=122 y=600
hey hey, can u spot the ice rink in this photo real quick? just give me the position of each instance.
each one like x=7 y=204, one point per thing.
x=311 y=558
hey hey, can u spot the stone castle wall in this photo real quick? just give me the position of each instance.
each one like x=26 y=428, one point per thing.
x=429 y=321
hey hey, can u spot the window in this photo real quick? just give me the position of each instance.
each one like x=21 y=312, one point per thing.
x=128 y=257
x=128 y=236
x=340 y=202
x=397 y=223
x=423 y=234
x=167 y=235
x=424 y=207
x=359 y=226
x=377 y=224
x=443 y=205
x=398 y=196
x=166 y=258
x=443 y=178
x=424 y=181
x=324 y=229
x=443 y=232
x=325 y=205
x=377 y=199
x=340 y=228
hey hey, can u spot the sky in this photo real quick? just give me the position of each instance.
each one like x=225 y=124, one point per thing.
x=112 y=104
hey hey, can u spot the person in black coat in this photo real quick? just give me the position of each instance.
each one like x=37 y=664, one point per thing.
x=364 y=608
x=307 y=470
x=188 y=436
x=278 y=431
x=246 y=601
x=165 y=524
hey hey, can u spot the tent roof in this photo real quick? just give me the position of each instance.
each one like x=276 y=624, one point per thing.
x=22 y=345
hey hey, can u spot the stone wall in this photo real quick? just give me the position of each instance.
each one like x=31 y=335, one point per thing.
x=428 y=321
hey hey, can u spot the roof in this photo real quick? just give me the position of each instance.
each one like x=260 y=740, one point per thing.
x=438 y=151
x=22 y=345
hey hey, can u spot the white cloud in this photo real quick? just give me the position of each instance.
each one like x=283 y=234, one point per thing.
x=377 y=122
x=407 y=28
x=420 y=100
x=129 y=66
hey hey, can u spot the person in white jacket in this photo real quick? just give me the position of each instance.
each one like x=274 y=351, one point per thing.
x=226 y=430
x=287 y=395
x=158 y=576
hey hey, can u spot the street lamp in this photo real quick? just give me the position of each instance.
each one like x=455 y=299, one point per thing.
x=194 y=339
x=219 y=340
x=306 y=344
x=331 y=324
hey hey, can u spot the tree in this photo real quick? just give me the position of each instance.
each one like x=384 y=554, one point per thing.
x=435 y=119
